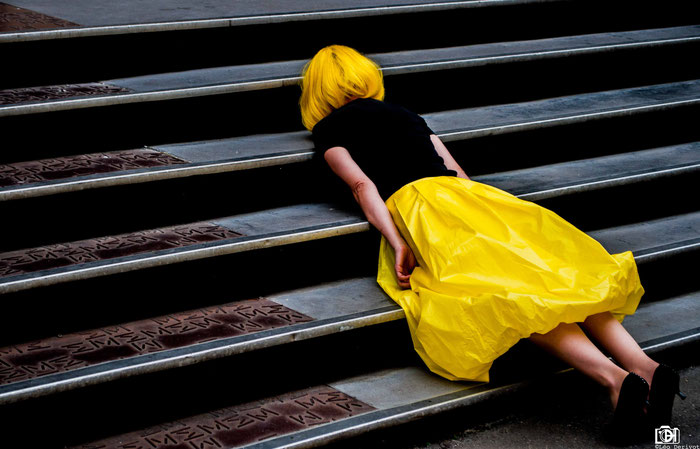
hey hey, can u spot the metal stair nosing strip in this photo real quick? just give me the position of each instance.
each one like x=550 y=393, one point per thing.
x=315 y=221
x=470 y=393
x=227 y=80
x=683 y=232
x=397 y=395
x=572 y=109
x=262 y=19
x=335 y=307
x=339 y=224
x=328 y=222
x=215 y=156
x=592 y=174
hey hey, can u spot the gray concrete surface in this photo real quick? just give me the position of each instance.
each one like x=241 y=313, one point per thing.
x=108 y=12
x=571 y=412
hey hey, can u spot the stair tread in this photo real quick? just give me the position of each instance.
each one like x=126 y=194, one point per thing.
x=50 y=264
x=107 y=19
x=220 y=80
x=240 y=153
x=83 y=259
x=391 y=396
x=59 y=363
x=144 y=353
x=574 y=176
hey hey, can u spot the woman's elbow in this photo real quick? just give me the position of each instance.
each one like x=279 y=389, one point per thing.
x=365 y=192
x=359 y=188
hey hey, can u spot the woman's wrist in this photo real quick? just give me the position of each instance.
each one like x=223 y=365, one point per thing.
x=398 y=243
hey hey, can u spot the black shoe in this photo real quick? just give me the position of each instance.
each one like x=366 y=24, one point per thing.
x=630 y=423
x=664 y=386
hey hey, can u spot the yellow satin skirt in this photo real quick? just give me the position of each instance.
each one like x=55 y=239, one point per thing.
x=493 y=269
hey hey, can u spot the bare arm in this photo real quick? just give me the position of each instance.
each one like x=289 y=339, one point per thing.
x=366 y=194
x=450 y=162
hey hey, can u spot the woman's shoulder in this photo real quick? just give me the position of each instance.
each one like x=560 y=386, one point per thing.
x=368 y=114
x=345 y=116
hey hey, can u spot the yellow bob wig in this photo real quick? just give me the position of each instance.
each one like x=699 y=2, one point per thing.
x=335 y=76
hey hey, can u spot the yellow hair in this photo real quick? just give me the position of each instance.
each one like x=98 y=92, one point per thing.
x=335 y=76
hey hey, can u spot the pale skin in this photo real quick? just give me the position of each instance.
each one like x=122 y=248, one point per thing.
x=566 y=341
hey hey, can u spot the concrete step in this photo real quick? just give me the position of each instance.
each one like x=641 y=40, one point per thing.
x=547 y=181
x=226 y=80
x=110 y=20
x=86 y=358
x=581 y=72
x=142 y=39
x=142 y=47
x=51 y=264
x=86 y=259
x=134 y=125
x=66 y=174
x=323 y=413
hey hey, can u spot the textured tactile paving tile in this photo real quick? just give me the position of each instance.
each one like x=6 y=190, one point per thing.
x=59 y=92
x=67 y=352
x=13 y=19
x=29 y=172
x=247 y=423
x=64 y=254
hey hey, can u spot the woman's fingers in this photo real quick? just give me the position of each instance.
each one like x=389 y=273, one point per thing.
x=403 y=276
x=411 y=261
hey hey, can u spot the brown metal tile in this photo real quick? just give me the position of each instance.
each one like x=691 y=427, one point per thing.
x=48 y=93
x=13 y=18
x=60 y=354
x=247 y=423
x=53 y=256
x=81 y=165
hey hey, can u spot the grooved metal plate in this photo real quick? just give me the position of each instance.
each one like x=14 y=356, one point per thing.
x=74 y=253
x=44 y=93
x=13 y=18
x=246 y=423
x=64 y=353
x=82 y=165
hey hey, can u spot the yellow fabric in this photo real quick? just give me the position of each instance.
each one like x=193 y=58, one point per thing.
x=493 y=269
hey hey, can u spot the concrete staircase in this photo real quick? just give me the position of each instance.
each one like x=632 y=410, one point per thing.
x=177 y=270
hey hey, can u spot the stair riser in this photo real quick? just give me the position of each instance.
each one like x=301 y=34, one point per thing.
x=160 y=390
x=220 y=116
x=485 y=414
x=143 y=53
x=91 y=213
x=149 y=400
x=244 y=275
x=554 y=144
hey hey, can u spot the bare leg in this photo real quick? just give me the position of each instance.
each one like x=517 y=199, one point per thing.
x=568 y=342
x=616 y=340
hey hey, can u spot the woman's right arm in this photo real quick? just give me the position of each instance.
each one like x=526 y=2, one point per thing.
x=367 y=196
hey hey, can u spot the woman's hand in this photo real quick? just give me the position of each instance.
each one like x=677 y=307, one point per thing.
x=405 y=263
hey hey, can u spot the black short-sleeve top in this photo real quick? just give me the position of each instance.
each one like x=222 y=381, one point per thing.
x=390 y=144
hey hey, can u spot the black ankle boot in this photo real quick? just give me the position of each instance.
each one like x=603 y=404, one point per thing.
x=630 y=423
x=664 y=386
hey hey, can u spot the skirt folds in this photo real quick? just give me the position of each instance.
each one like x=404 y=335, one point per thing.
x=493 y=269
